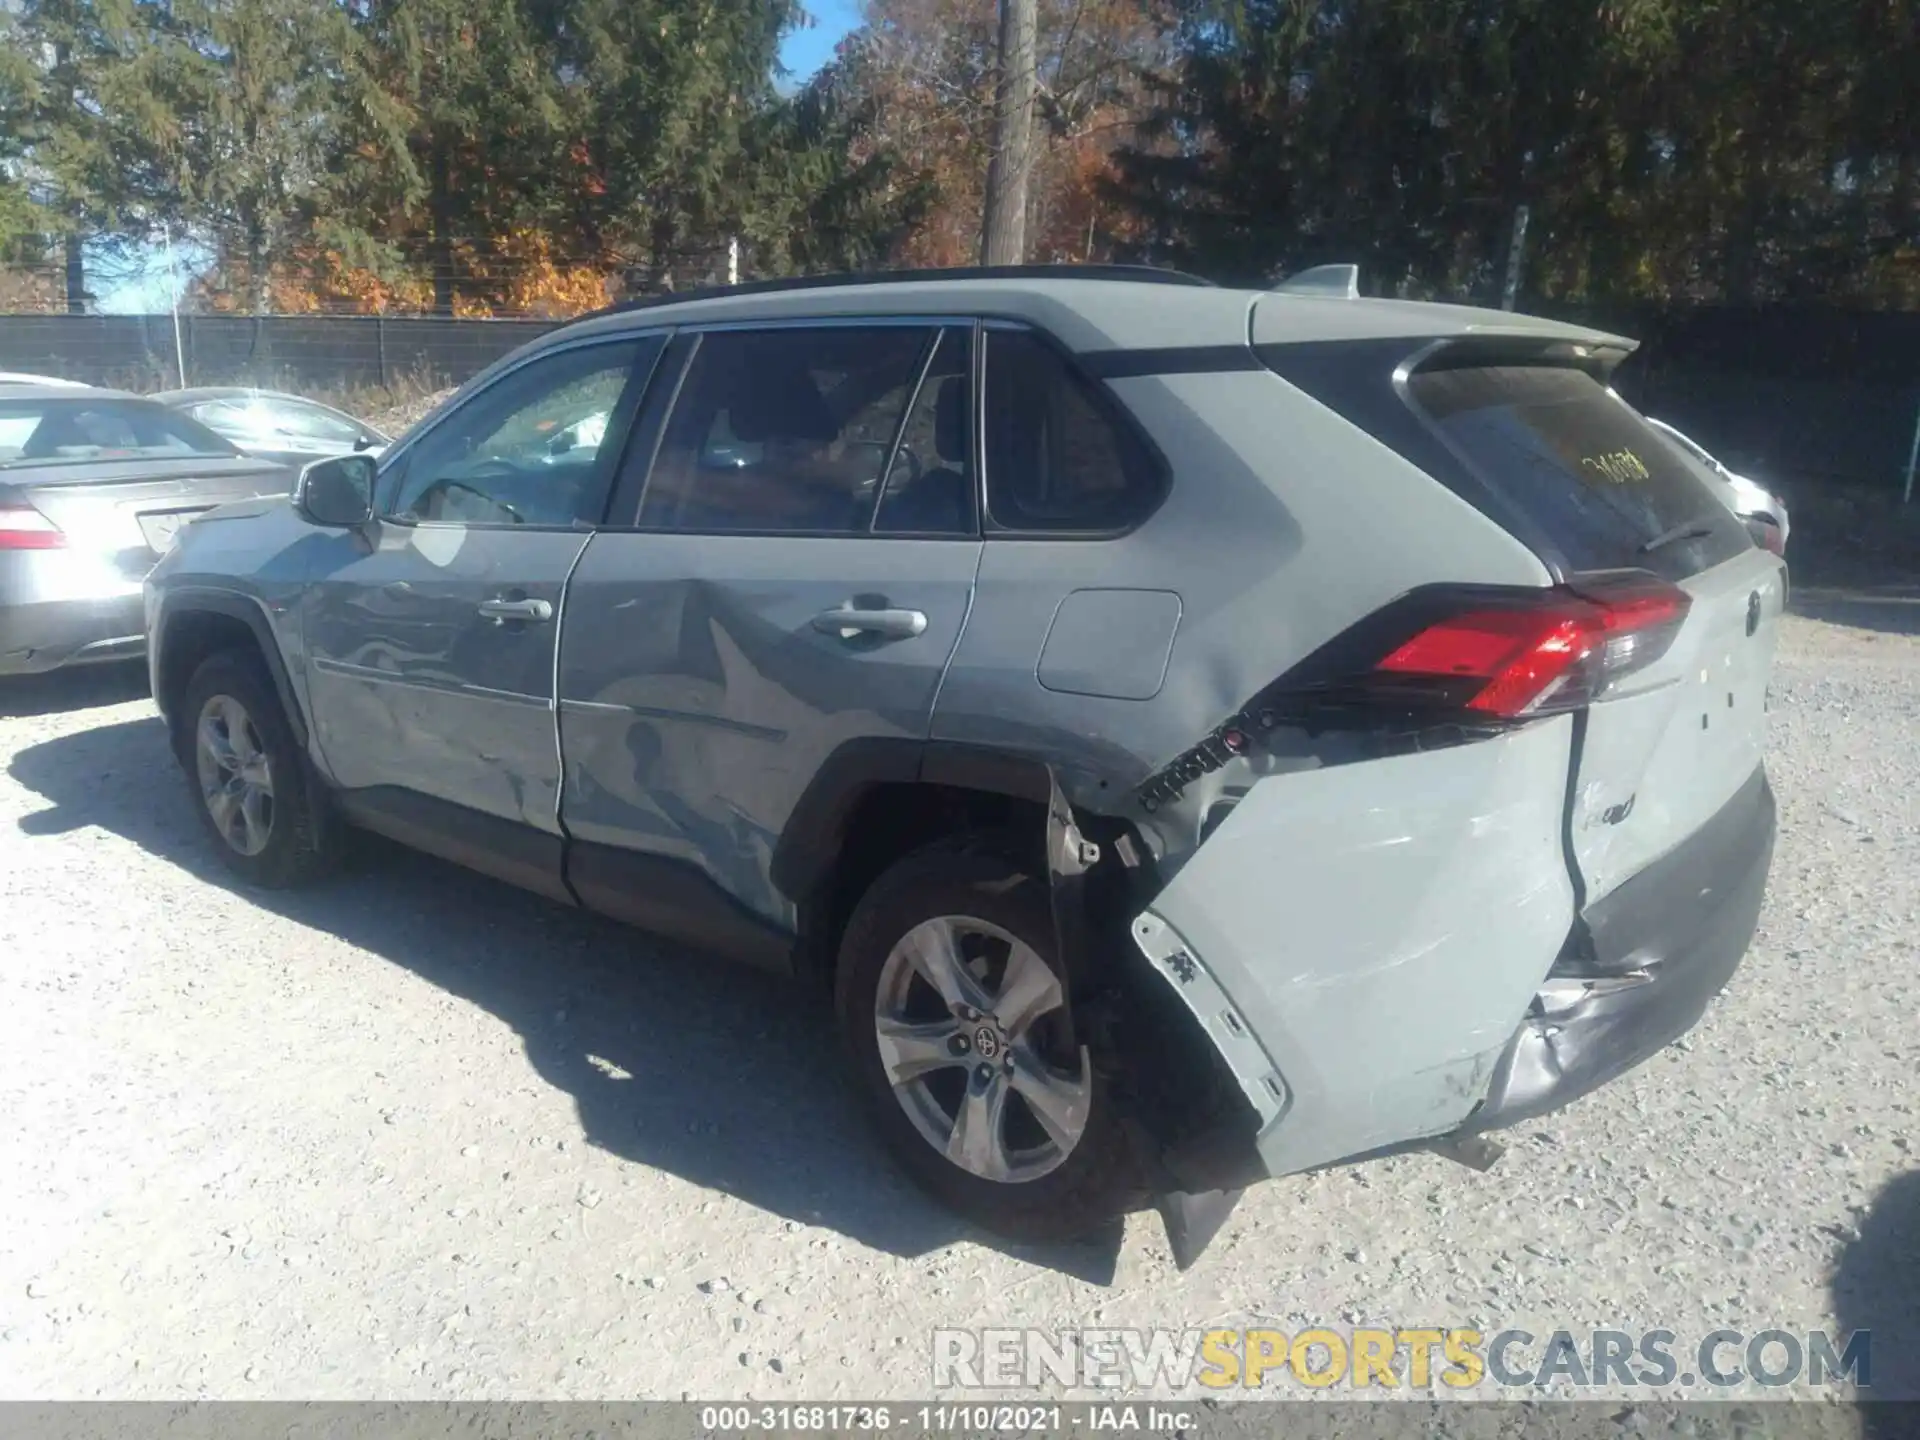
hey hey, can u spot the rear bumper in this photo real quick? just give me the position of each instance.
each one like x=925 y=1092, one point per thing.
x=1657 y=950
x=47 y=634
x=67 y=607
x=1635 y=971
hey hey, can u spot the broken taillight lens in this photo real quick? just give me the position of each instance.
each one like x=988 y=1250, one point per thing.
x=1544 y=656
x=24 y=528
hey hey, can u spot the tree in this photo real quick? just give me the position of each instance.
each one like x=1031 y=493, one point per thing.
x=929 y=70
x=460 y=143
x=66 y=105
x=662 y=99
x=823 y=195
x=1740 y=150
x=238 y=105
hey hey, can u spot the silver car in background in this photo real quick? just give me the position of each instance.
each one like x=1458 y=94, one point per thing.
x=94 y=486
x=273 y=425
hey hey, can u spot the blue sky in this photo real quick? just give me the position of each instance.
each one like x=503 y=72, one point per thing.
x=807 y=50
x=150 y=288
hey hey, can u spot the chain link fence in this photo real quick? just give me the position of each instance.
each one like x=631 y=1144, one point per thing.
x=305 y=353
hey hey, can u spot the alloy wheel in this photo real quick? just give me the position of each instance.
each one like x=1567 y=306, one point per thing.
x=964 y=1013
x=236 y=778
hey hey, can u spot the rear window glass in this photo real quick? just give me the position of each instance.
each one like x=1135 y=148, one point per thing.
x=53 y=432
x=1601 y=483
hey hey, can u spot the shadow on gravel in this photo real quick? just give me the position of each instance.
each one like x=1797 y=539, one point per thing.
x=1890 y=609
x=720 y=1075
x=82 y=688
x=1876 y=1287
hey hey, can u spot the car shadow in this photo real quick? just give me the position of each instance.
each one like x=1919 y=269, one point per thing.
x=1876 y=1288
x=85 y=687
x=726 y=1077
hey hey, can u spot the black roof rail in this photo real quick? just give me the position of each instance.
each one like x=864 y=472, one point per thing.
x=1138 y=274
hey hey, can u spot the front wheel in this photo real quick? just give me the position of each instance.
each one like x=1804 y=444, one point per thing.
x=248 y=776
x=953 y=1010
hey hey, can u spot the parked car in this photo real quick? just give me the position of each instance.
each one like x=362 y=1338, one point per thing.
x=94 y=486
x=287 y=429
x=18 y=377
x=1195 y=734
x=1764 y=512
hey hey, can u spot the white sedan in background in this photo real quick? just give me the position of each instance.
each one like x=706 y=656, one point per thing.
x=1764 y=512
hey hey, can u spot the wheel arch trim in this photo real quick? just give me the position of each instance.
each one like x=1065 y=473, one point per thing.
x=177 y=605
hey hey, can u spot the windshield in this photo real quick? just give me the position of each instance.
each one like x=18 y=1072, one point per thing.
x=61 y=431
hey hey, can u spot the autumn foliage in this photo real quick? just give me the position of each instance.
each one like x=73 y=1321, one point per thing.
x=518 y=275
x=929 y=64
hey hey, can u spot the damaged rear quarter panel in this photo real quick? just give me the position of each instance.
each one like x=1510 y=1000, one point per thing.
x=1381 y=921
x=1383 y=926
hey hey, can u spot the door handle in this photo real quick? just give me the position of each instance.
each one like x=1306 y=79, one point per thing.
x=890 y=624
x=501 y=611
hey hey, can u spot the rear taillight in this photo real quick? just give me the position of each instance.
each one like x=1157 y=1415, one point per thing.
x=1448 y=664
x=1535 y=657
x=24 y=528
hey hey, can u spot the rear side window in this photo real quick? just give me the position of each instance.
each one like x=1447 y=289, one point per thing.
x=1058 y=456
x=1599 y=482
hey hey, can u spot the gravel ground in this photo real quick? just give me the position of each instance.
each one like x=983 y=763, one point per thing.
x=415 y=1135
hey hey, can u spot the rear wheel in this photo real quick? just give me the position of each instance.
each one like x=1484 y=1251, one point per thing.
x=248 y=776
x=953 y=1010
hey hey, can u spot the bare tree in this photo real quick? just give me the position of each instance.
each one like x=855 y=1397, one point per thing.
x=1003 y=231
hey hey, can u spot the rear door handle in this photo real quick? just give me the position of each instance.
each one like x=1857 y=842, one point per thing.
x=501 y=611
x=891 y=624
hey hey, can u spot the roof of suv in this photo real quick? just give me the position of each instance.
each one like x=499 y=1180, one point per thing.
x=1088 y=308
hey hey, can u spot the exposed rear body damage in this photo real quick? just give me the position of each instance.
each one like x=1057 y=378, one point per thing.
x=1386 y=964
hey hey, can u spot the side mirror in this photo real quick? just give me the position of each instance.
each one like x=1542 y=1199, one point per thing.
x=336 y=492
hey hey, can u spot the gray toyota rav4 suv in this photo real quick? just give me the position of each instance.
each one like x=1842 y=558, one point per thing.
x=1196 y=734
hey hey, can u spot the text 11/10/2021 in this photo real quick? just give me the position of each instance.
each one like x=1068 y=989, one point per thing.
x=959 y=1418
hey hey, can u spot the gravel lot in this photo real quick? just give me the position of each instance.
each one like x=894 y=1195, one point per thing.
x=415 y=1135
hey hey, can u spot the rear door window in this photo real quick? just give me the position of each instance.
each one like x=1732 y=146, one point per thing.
x=785 y=431
x=1600 y=483
x=930 y=486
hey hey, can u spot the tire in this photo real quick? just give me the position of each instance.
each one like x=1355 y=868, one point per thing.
x=230 y=702
x=1031 y=1185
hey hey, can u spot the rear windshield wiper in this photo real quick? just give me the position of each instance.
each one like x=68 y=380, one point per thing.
x=1689 y=530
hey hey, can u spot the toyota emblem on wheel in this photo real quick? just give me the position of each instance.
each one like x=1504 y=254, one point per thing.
x=986 y=1043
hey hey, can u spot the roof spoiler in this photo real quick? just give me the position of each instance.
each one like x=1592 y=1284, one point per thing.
x=1330 y=282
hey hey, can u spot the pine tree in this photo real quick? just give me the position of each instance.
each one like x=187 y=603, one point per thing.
x=66 y=80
